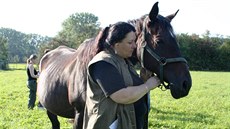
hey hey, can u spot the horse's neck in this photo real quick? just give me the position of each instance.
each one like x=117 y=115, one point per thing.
x=138 y=24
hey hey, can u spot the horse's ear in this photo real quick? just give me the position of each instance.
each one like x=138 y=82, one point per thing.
x=154 y=12
x=170 y=17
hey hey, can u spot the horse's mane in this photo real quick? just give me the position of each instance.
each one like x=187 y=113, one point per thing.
x=86 y=51
x=138 y=24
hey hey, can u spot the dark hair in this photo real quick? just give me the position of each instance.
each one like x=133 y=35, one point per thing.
x=113 y=34
x=33 y=56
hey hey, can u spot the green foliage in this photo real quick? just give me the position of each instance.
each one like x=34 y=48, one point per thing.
x=207 y=53
x=206 y=106
x=224 y=55
x=3 y=53
x=20 y=45
x=77 y=28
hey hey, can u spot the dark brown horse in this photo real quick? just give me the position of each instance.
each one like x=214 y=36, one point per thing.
x=62 y=82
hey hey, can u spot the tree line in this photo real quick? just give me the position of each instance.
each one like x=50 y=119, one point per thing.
x=206 y=53
x=17 y=46
x=203 y=52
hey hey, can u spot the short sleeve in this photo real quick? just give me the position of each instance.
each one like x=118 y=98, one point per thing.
x=107 y=77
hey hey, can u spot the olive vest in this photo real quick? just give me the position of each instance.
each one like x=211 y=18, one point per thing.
x=102 y=111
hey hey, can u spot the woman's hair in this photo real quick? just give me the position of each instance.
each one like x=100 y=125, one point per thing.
x=32 y=57
x=113 y=34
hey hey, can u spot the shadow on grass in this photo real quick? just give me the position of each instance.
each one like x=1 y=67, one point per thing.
x=184 y=116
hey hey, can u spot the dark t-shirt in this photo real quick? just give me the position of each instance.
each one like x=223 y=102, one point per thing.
x=110 y=81
x=29 y=74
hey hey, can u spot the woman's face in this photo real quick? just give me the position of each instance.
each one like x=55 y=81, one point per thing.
x=126 y=47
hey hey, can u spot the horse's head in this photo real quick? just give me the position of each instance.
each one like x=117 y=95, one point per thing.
x=158 y=51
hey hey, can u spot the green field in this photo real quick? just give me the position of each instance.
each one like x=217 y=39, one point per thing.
x=206 y=107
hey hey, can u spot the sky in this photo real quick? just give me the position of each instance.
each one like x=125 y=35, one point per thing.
x=45 y=17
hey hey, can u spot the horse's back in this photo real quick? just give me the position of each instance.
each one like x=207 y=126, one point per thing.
x=52 y=84
x=57 y=56
x=62 y=82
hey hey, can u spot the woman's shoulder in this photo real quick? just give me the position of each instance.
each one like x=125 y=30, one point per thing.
x=103 y=55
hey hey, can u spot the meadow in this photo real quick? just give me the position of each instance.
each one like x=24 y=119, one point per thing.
x=206 y=107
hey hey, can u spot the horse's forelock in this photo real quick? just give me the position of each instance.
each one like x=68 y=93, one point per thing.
x=165 y=24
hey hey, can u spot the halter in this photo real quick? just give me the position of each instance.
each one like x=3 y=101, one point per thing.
x=162 y=61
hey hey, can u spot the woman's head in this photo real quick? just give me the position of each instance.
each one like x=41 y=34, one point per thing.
x=118 y=31
x=119 y=36
x=32 y=59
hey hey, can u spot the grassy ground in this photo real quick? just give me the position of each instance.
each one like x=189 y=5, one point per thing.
x=14 y=97
x=206 y=107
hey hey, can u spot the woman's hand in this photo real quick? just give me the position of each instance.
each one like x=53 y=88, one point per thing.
x=152 y=82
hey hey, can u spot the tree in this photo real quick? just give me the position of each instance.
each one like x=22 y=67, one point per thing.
x=224 y=51
x=3 y=53
x=22 y=45
x=77 y=28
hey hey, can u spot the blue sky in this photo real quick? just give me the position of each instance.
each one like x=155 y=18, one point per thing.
x=46 y=16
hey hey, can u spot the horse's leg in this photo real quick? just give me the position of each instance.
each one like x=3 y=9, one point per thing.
x=54 y=120
x=78 y=120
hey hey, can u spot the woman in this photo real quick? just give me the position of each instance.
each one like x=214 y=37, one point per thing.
x=116 y=97
x=32 y=74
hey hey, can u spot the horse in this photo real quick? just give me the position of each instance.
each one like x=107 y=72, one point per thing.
x=62 y=81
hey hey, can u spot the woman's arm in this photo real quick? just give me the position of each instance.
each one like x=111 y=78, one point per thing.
x=31 y=69
x=113 y=85
x=133 y=93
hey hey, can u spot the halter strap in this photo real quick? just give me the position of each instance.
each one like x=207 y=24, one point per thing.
x=161 y=60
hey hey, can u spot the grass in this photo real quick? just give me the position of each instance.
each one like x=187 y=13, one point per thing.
x=14 y=97
x=206 y=107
